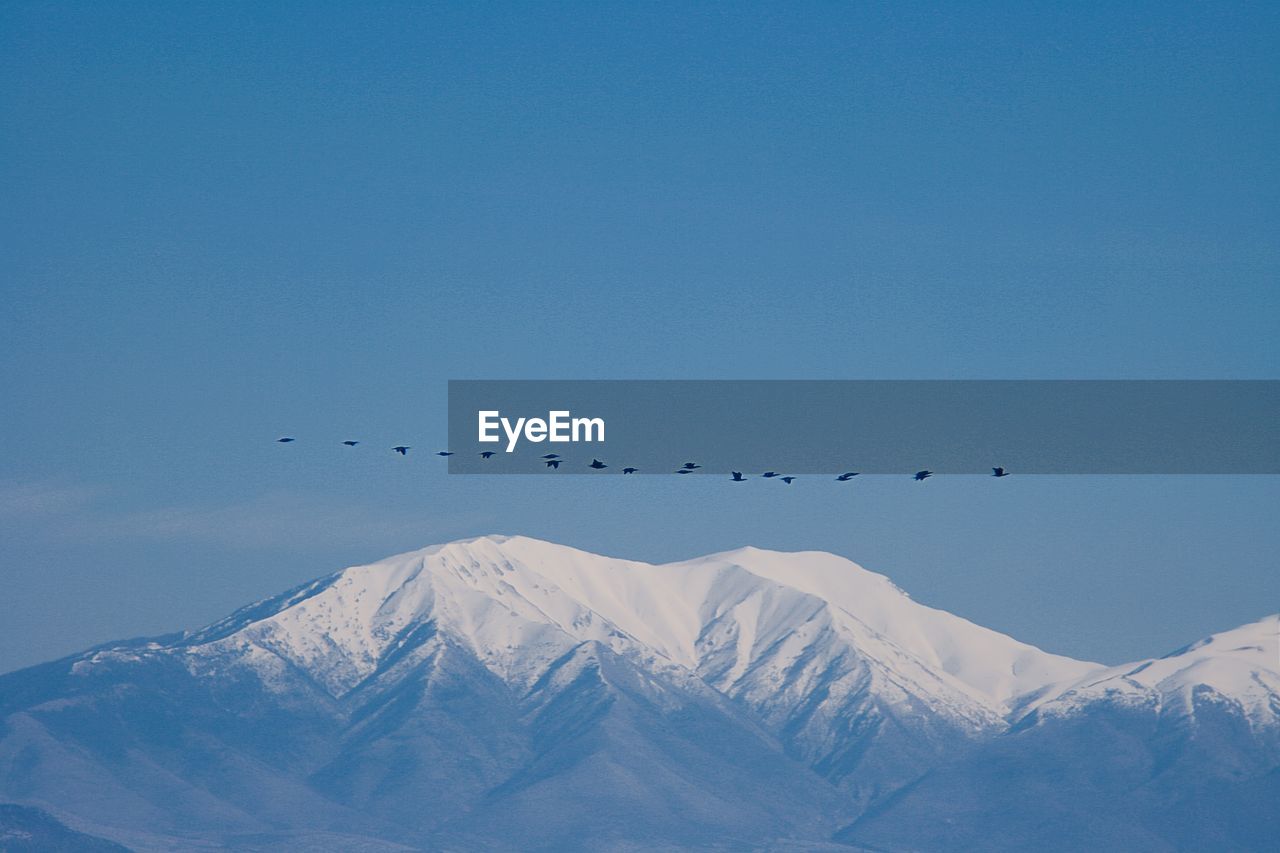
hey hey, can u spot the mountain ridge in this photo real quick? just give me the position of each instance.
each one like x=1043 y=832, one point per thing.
x=745 y=695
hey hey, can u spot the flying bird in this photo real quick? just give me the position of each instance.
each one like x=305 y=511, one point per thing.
x=685 y=471
x=285 y=440
x=999 y=472
x=551 y=456
x=848 y=475
x=402 y=449
x=691 y=465
x=553 y=463
x=597 y=464
x=485 y=454
x=923 y=475
x=630 y=470
x=787 y=480
x=444 y=453
x=737 y=477
x=350 y=443
x=769 y=474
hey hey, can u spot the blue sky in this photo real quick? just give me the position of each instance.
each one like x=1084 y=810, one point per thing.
x=222 y=222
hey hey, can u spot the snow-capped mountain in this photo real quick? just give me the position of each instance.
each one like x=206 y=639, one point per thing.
x=1175 y=753
x=1240 y=667
x=504 y=692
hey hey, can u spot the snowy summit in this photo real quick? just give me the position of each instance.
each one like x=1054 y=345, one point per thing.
x=443 y=697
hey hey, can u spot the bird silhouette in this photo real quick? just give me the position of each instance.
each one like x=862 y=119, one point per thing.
x=769 y=474
x=737 y=477
x=999 y=472
x=923 y=475
x=848 y=475
x=485 y=454
x=350 y=443
x=788 y=480
x=630 y=470
x=597 y=464
x=691 y=465
x=444 y=453
x=402 y=449
x=685 y=471
x=551 y=456
x=553 y=463
x=285 y=440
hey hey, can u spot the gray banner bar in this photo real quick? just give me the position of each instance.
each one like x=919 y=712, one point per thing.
x=872 y=427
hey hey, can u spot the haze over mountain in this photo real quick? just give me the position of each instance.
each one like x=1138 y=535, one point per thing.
x=508 y=693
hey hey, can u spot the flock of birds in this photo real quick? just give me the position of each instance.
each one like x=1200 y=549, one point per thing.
x=554 y=460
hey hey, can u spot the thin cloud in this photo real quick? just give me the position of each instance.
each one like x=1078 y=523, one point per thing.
x=273 y=520
x=28 y=500
x=284 y=520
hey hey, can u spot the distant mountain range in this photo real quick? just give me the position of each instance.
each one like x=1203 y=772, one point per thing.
x=511 y=694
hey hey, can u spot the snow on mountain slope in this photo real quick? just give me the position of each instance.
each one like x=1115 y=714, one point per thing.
x=749 y=621
x=1175 y=753
x=768 y=627
x=1240 y=666
x=451 y=696
x=514 y=610
x=993 y=666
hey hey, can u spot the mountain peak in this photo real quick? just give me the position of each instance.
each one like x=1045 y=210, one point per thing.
x=490 y=675
x=1241 y=666
x=734 y=614
x=741 y=621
